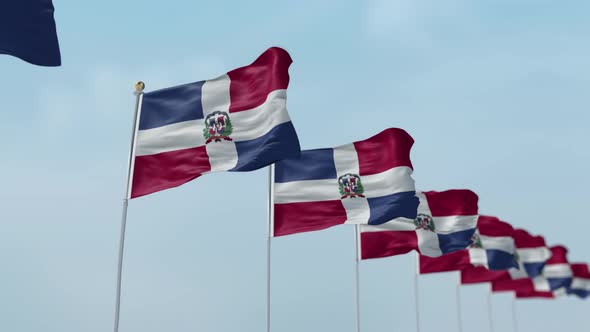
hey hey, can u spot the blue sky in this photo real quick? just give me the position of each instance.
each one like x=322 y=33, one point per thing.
x=494 y=93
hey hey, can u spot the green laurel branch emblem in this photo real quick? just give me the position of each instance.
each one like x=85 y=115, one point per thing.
x=350 y=186
x=218 y=127
x=424 y=221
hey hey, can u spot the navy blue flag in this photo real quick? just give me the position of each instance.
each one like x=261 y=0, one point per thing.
x=27 y=31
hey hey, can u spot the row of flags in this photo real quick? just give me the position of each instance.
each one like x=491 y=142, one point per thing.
x=239 y=122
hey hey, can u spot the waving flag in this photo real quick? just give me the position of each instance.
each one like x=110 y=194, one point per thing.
x=581 y=282
x=557 y=273
x=532 y=293
x=492 y=247
x=522 y=288
x=27 y=31
x=480 y=274
x=445 y=223
x=554 y=280
x=237 y=122
x=532 y=253
x=366 y=182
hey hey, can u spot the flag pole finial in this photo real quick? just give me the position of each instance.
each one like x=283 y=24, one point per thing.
x=139 y=86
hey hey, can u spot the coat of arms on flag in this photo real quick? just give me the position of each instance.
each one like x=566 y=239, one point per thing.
x=237 y=122
x=425 y=222
x=445 y=222
x=350 y=186
x=492 y=246
x=373 y=179
x=217 y=127
x=530 y=256
x=475 y=241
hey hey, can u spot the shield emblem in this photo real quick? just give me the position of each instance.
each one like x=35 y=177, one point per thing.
x=350 y=186
x=218 y=127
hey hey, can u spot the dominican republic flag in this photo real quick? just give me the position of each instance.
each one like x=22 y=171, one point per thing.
x=366 y=182
x=445 y=223
x=532 y=293
x=27 y=31
x=531 y=255
x=557 y=273
x=581 y=283
x=522 y=288
x=554 y=280
x=492 y=247
x=237 y=122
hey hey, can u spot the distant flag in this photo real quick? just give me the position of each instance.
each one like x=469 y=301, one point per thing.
x=581 y=282
x=557 y=273
x=532 y=293
x=480 y=274
x=28 y=32
x=554 y=280
x=532 y=253
x=579 y=286
x=445 y=223
x=492 y=247
x=237 y=122
x=522 y=288
x=366 y=182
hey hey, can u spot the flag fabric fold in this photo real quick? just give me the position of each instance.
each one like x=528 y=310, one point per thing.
x=557 y=273
x=479 y=274
x=532 y=293
x=522 y=288
x=531 y=255
x=445 y=223
x=28 y=31
x=366 y=182
x=580 y=285
x=236 y=122
x=554 y=279
x=492 y=247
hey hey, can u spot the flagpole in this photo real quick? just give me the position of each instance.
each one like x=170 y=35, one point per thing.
x=356 y=278
x=416 y=294
x=459 y=311
x=268 y=239
x=139 y=86
x=514 y=317
x=491 y=319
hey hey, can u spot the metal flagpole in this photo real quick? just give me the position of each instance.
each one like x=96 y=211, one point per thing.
x=271 y=169
x=490 y=311
x=514 y=321
x=459 y=311
x=139 y=86
x=416 y=294
x=356 y=277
